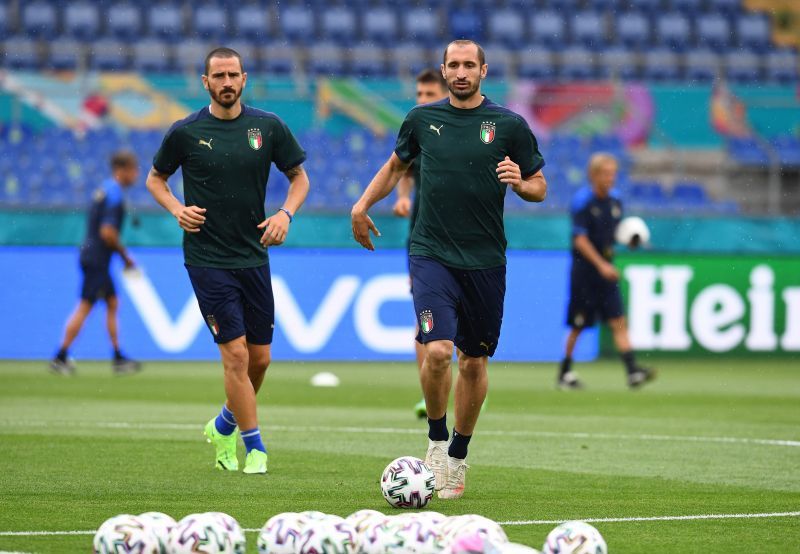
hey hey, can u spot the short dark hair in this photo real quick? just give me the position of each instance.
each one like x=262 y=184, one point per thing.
x=465 y=42
x=223 y=52
x=431 y=75
x=122 y=159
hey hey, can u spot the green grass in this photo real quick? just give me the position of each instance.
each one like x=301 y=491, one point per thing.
x=76 y=451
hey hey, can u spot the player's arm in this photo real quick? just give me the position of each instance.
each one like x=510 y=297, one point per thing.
x=276 y=227
x=110 y=236
x=402 y=206
x=588 y=251
x=190 y=218
x=380 y=187
x=532 y=188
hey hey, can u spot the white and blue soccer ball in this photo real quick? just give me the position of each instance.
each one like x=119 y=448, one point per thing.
x=407 y=483
x=161 y=525
x=206 y=533
x=281 y=533
x=632 y=228
x=331 y=535
x=472 y=525
x=125 y=533
x=574 y=537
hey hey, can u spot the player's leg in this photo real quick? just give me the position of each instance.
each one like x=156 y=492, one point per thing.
x=260 y=356
x=121 y=363
x=580 y=314
x=61 y=363
x=420 y=409
x=611 y=309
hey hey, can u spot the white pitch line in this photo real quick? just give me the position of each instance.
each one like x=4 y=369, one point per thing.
x=407 y=431
x=526 y=522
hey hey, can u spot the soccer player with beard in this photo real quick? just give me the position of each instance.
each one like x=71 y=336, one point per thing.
x=471 y=151
x=225 y=151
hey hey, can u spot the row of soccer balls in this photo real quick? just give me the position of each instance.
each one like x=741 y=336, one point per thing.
x=312 y=532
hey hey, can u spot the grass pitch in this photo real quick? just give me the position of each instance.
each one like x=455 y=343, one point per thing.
x=709 y=437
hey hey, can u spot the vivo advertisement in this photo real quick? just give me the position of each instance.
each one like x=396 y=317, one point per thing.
x=330 y=304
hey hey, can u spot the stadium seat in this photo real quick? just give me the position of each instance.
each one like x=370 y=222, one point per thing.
x=500 y=60
x=279 y=58
x=645 y=6
x=152 y=54
x=338 y=24
x=5 y=21
x=380 y=25
x=549 y=28
x=465 y=23
x=407 y=59
x=247 y=50
x=368 y=60
x=297 y=23
x=689 y=8
x=726 y=7
x=748 y=152
x=701 y=65
x=190 y=55
x=618 y=63
x=673 y=31
x=788 y=149
x=577 y=62
x=81 y=20
x=536 y=62
x=422 y=25
x=648 y=194
x=326 y=59
x=661 y=64
x=66 y=54
x=109 y=54
x=507 y=27
x=781 y=66
x=588 y=28
x=633 y=30
x=21 y=52
x=39 y=19
x=690 y=194
x=165 y=21
x=252 y=22
x=713 y=31
x=742 y=67
x=124 y=21
x=210 y=21
x=752 y=32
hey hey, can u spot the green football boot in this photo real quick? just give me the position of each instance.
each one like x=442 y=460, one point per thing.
x=420 y=409
x=255 y=462
x=224 y=445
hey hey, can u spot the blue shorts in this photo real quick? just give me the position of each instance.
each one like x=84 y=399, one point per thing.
x=235 y=302
x=460 y=305
x=589 y=296
x=97 y=283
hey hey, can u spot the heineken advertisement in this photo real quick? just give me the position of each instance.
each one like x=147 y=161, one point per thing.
x=712 y=304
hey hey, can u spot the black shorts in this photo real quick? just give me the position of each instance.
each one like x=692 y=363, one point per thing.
x=589 y=296
x=97 y=283
x=235 y=302
x=463 y=306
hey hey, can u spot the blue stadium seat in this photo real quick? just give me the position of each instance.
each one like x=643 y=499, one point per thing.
x=109 y=54
x=279 y=58
x=297 y=23
x=788 y=149
x=690 y=8
x=748 y=152
x=742 y=67
x=247 y=50
x=713 y=31
x=152 y=54
x=165 y=21
x=252 y=22
x=124 y=21
x=326 y=59
x=507 y=27
x=588 y=28
x=633 y=29
x=339 y=24
x=499 y=59
x=39 y=19
x=673 y=31
x=380 y=24
x=368 y=60
x=5 y=21
x=549 y=28
x=66 y=54
x=21 y=52
x=466 y=23
x=422 y=25
x=781 y=66
x=407 y=59
x=727 y=7
x=190 y=55
x=661 y=64
x=536 y=62
x=648 y=194
x=210 y=21
x=645 y=6
x=690 y=194
x=82 y=19
x=752 y=31
x=702 y=65
x=618 y=63
x=577 y=62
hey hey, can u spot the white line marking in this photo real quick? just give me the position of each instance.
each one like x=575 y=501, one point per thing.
x=528 y=522
x=407 y=431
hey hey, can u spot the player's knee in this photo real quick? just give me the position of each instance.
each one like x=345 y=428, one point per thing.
x=235 y=358
x=471 y=368
x=438 y=355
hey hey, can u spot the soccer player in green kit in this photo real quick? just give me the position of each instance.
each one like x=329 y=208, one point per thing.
x=470 y=150
x=225 y=151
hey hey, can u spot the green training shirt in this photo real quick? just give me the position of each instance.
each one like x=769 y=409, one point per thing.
x=226 y=164
x=460 y=219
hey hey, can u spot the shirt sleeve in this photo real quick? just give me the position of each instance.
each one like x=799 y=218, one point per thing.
x=112 y=209
x=407 y=148
x=580 y=220
x=525 y=150
x=168 y=158
x=287 y=152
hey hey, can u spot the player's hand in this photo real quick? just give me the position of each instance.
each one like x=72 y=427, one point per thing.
x=129 y=263
x=509 y=173
x=275 y=229
x=362 y=225
x=402 y=207
x=609 y=272
x=190 y=218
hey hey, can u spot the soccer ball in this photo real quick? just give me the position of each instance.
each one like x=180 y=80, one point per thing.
x=280 y=533
x=516 y=548
x=328 y=536
x=472 y=543
x=125 y=533
x=574 y=537
x=471 y=524
x=420 y=533
x=632 y=231
x=208 y=533
x=407 y=483
x=161 y=525
x=363 y=519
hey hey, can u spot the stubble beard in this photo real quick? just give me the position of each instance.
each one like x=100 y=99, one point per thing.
x=217 y=97
x=463 y=94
